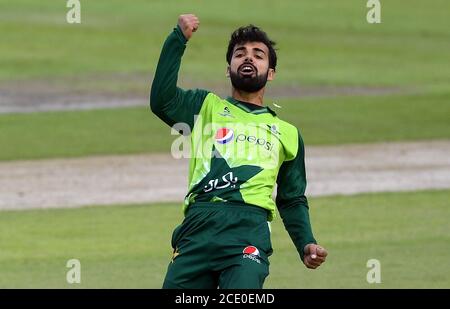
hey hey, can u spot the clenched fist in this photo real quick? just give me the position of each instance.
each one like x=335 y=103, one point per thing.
x=189 y=24
x=314 y=256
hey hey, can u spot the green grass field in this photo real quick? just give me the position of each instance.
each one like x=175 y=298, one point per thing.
x=316 y=45
x=129 y=246
x=322 y=43
x=137 y=130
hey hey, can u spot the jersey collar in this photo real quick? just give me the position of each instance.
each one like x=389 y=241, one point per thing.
x=251 y=108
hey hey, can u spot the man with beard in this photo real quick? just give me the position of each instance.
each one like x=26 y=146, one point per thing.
x=239 y=150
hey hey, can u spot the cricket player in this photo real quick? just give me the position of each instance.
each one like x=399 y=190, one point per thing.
x=239 y=150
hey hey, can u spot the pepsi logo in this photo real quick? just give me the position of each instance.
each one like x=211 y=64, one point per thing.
x=224 y=135
x=251 y=250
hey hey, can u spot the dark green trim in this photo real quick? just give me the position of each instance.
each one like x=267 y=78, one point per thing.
x=250 y=107
x=227 y=206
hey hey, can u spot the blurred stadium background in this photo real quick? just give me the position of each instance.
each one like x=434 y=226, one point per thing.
x=76 y=130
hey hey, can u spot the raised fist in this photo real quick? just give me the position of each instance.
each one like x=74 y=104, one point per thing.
x=189 y=24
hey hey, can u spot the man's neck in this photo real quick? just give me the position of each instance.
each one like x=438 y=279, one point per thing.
x=249 y=97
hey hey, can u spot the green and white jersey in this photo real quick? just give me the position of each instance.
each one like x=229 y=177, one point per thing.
x=239 y=151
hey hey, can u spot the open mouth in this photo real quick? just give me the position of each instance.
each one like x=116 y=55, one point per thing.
x=247 y=69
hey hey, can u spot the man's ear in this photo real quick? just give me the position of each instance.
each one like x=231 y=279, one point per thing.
x=271 y=74
x=227 y=72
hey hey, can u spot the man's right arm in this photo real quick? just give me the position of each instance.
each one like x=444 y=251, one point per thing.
x=293 y=207
x=292 y=202
x=169 y=102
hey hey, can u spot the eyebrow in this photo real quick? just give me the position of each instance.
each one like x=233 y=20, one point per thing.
x=254 y=48
x=259 y=50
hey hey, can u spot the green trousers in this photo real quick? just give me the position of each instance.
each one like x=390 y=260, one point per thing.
x=220 y=245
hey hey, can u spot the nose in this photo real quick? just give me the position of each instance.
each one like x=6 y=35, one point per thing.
x=248 y=59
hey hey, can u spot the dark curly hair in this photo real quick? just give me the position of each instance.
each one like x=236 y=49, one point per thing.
x=252 y=33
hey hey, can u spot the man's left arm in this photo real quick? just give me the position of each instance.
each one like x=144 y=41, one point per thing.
x=294 y=210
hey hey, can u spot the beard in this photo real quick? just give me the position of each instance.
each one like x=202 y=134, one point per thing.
x=248 y=83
